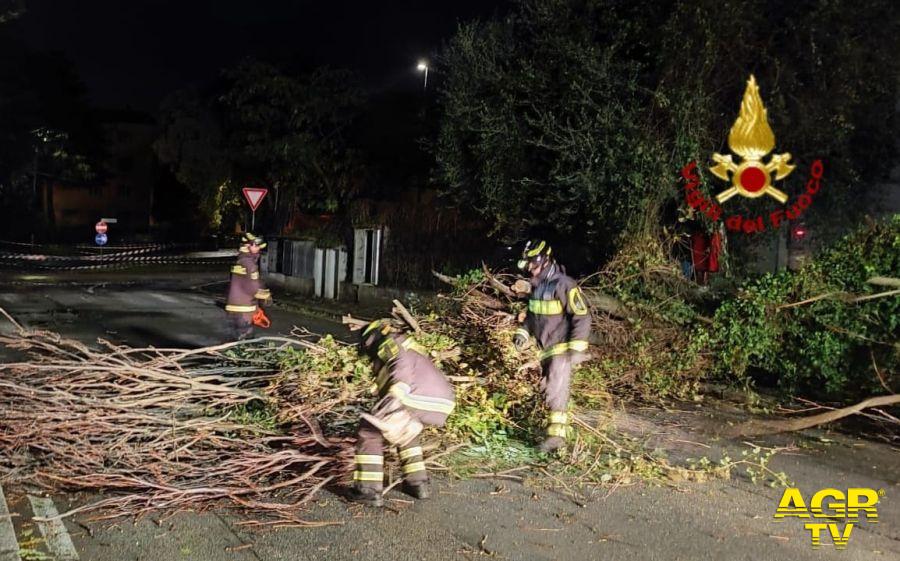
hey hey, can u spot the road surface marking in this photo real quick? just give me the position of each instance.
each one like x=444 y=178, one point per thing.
x=54 y=531
x=9 y=546
x=165 y=298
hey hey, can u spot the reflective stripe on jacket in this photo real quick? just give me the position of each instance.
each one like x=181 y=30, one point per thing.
x=408 y=374
x=246 y=286
x=558 y=317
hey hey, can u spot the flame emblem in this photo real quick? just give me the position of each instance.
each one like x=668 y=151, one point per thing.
x=751 y=138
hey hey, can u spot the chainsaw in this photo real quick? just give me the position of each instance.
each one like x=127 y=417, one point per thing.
x=260 y=319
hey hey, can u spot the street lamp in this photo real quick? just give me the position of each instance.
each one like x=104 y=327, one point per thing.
x=41 y=135
x=423 y=67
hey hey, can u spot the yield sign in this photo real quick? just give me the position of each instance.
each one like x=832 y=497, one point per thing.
x=254 y=196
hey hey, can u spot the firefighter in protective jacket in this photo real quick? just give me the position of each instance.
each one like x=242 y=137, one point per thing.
x=412 y=393
x=246 y=288
x=559 y=321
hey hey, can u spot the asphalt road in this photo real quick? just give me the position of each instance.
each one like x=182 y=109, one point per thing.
x=475 y=519
x=178 y=311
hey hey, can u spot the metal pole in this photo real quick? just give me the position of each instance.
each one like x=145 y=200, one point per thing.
x=276 y=217
x=253 y=222
x=34 y=178
x=425 y=87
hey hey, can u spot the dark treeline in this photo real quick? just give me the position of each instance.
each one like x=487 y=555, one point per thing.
x=563 y=118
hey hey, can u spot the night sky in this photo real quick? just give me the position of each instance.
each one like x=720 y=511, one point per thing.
x=134 y=52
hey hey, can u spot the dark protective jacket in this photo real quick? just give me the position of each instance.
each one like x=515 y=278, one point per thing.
x=406 y=372
x=246 y=285
x=558 y=317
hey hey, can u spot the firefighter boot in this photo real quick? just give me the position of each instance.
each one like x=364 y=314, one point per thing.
x=556 y=432
x=417 y=489
x=551 y=444
x=368 y=496
x=369 y=475
x=415 y=477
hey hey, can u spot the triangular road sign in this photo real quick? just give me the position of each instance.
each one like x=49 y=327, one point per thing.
x=254 y=196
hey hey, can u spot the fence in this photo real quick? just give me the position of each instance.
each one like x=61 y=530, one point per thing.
x=305 y=268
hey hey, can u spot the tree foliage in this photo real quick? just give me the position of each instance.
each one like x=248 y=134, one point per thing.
x=543 y=127
x=43 y=107
x=192 y=143
x=46 y=125
x=841 y=337
x=11 y=9
x=292 y=130
x=269 y=128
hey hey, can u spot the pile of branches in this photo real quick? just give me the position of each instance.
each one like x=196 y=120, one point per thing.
x=158 y=427
x=492 y=308
x=263 y=425
x=498 y=302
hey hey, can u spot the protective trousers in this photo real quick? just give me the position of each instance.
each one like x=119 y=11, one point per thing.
x=240 y=324
x=556 y=376
x=370 y=459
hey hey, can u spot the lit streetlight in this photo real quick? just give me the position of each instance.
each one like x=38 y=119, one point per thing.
x=423 y=67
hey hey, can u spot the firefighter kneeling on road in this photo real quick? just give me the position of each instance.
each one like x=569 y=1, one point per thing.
x=559 y=321
x=412 y=392
x=246 y=288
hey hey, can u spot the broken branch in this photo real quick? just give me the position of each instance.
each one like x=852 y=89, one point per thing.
x=759 y=428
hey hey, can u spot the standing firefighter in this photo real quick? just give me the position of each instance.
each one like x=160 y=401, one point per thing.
x=412 y=392
x=246 y=287
x=560 y=322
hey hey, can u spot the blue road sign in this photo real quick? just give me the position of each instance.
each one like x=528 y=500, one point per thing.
x=100 y=239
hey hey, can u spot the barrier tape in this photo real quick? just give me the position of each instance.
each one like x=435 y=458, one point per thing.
x=117 y=263
x=114 y=257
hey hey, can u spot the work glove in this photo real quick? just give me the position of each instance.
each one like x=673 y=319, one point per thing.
x=394 y=421
x=577 y=357
x=520 y=341
x=264 y=296
x=521 y=288
x=578 y=352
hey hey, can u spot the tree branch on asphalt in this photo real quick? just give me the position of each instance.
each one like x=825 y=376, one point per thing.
x=763 y=427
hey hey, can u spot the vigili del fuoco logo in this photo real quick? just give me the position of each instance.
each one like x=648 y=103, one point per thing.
x=751 y=176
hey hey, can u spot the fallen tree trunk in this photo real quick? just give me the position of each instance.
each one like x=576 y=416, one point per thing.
x=497 y=285
x=353 y=323
x=884 y=281
x=759 y=428
x=444 y=278
x=487 y=301
x=402 y=313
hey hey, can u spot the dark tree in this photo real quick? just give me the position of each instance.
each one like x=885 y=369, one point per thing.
x=264 y=126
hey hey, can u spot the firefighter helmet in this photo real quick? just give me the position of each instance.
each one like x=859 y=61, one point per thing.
x=249 y=238
x=536 y=251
